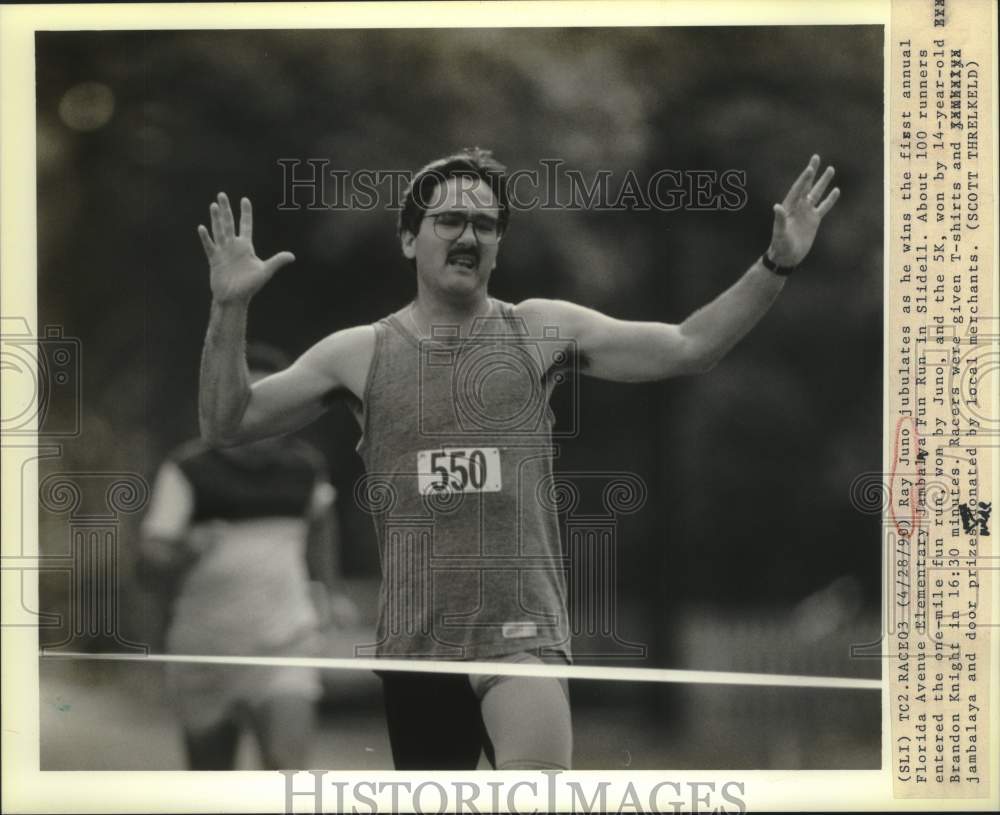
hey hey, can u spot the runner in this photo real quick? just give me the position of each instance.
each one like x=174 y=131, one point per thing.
x=451 y=395
x=239 y=542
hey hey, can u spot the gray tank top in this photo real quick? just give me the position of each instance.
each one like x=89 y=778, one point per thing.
x=457 y=442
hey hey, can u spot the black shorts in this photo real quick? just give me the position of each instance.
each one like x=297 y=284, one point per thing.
x=444 y=721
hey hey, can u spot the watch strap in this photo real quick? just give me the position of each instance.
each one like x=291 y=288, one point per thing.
x=771 y=266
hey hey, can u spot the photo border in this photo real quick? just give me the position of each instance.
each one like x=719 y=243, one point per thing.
x=25 y=788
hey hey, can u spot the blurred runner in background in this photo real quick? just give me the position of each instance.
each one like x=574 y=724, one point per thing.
x=241 y=543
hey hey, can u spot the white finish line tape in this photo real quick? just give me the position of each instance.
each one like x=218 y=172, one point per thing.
x=500 y=669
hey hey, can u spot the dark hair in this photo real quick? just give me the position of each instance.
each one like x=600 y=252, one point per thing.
x=266 y=359
x=472 y=162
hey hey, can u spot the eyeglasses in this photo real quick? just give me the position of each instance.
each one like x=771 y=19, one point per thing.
x=449 y=225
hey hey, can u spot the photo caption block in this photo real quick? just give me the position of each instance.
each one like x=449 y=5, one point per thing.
x=941 y=431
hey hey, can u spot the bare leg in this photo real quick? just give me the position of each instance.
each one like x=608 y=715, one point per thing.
x=528 y=721
x=284 y=729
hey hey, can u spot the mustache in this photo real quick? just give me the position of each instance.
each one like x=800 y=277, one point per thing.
x=464 y=251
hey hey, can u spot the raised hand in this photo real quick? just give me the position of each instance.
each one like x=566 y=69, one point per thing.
x=797 y=218
x=236 y=271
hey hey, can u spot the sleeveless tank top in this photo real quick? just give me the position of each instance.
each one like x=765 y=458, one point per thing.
x=457 y=443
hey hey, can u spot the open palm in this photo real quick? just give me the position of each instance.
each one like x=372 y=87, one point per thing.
x=797 y=218
x=236 y=271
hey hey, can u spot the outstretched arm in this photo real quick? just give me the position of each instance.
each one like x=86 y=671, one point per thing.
x=236 y=274
x=230 y=410
x=629 y=351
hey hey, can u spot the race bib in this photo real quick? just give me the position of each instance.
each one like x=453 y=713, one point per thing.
x=459 y=469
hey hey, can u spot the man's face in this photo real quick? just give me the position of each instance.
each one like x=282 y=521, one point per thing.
x=459 y=264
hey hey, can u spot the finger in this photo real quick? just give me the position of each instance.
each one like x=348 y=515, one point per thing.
x=228 y=225
x=827 y=205
x=275 y=262
x=217 y=233
x=780 y=218
x=206 y=242
x=246 y=219
x=801 y=184
x=820 y=186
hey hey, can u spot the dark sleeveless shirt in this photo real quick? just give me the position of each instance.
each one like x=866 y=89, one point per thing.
x=474 y=569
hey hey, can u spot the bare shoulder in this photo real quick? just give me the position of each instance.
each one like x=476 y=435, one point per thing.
x=342 y=358
x=536 y=307
x=359 y=339
x=539 y=313
x=569 y=318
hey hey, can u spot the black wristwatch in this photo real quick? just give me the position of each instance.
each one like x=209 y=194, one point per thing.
x=771 y=266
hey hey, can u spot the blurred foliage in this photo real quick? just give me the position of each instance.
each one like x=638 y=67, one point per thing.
x=748 y=467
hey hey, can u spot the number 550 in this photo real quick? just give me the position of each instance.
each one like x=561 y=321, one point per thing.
x=459 y=469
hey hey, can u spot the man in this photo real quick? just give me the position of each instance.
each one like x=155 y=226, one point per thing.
x=230 y=542
x=476 y=575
